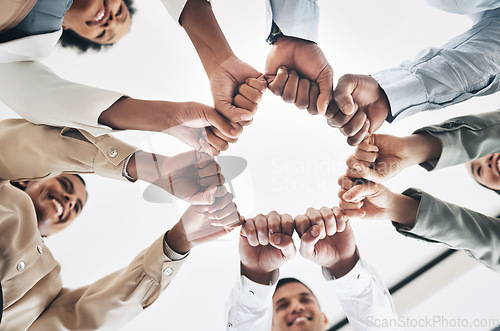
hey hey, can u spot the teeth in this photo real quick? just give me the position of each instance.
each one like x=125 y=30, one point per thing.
x=59 y=208
x=300 y=319
x=101 y=15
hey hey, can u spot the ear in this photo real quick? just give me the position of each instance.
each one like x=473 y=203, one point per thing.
x=64 y=26
x=325 y=321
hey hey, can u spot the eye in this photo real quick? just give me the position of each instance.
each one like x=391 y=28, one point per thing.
x=118 y=13
x=64 y=185
x=282 y=306
x=305 y=300
x=102 y=34
x=479 y=171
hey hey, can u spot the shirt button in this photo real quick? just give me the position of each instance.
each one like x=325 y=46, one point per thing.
x=360 y=276
x=167 y=271
x=20 y=266
x=251 y=293
x=39 y=249
x=112 y=152
x=229 y=325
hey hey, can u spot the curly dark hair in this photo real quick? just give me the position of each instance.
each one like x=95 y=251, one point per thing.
x=71 y=39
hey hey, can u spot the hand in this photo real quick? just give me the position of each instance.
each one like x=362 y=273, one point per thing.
x=335 y=250
x=224 y=82
x=361 y=198
x=309 y=62
x=196 y=225
x=379 y=158
x=265 y=245
x=195 y=123
x=191 y=176
x=248 y=97
x=358 y=98
x=301 y=91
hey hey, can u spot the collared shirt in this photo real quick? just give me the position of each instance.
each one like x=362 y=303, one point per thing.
x=361 y=292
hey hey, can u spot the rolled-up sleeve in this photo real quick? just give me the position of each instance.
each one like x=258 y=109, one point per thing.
x=295 y=18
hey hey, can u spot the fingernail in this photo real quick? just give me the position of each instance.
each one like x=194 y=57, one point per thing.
x=347 y=196
x=375 y=148
x=357 y=167
x=246 y=117
x=315 y=231
x=277 y=240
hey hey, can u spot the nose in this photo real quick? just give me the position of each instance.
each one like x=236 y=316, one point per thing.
x=298 y=308
x=109 y=21
x=70 y=200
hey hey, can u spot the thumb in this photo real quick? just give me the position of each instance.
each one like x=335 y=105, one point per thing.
x=284 y=243
x=361 y=170
x=343 y=94
x=309 y=240
x=325 y=82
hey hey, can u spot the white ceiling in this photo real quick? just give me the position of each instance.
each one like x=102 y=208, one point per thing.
x=293 y=158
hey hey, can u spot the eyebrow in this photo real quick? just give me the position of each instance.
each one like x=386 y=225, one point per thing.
x=301 y=294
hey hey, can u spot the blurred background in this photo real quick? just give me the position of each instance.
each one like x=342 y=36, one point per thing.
x=293 y=162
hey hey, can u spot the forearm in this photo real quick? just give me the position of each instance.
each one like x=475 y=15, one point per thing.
x=403 y=210
x=257 y=275
x=200 y=24
x=146 y=115
x=467 y=66
x=421 y=147
x=342 y=267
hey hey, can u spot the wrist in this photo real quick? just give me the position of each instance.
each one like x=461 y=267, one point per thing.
x=258 y=275
x=177 y=241
x=403 y=210
x=422 y=147
x=344 y=266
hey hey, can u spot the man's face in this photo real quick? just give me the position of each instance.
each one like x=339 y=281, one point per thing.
x=486 y=170
x=57 y=201
x=296 y=308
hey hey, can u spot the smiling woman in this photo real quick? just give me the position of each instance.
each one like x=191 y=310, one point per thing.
x=86 y=27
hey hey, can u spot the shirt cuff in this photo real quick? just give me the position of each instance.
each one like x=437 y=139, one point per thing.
x=253 y=294
x=124 y=169
x=405 y=92
x=170 y=253
x=353 y=283
x=299 y=19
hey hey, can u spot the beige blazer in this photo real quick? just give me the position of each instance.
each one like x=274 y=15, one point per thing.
x=34 y=298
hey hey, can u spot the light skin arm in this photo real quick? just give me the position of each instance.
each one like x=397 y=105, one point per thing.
x=380 y=157
x=265 y=245
x=374 y=201
x=224 y=70
x=327 y=239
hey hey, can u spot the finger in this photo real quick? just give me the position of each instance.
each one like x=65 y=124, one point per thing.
x=249 y=231
x=217 y=142
x=346 y=205
x=291 y=86
x=221 y=191
x=325 y=82
x=287 y=224
x=284 y=243
x=219 y=203
x=313 y=99
x=345 y=182
x=354 y=213
x=229 y=222
x=205 y=197
x=217 y=179
x=209 y=170
x=242 y=102
x=278 y=84
x=309 y=240
x=224 y=125
x=302 y=223
x=340 y=218
x=274 y=222
x=329 y=220
x=364 y=156
x=359 y=192
x=302 y=98
x=368 y=144
x=207 y=148
x=343 y=94
x=262 y=229
x=251 y=94
x=259 y=83
x=354 y=125
x=317 y=219
x=339 y=119
x=219 y=218
x=332 y=110
x=362 y=134
x=360 y=170
x=234 y=114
